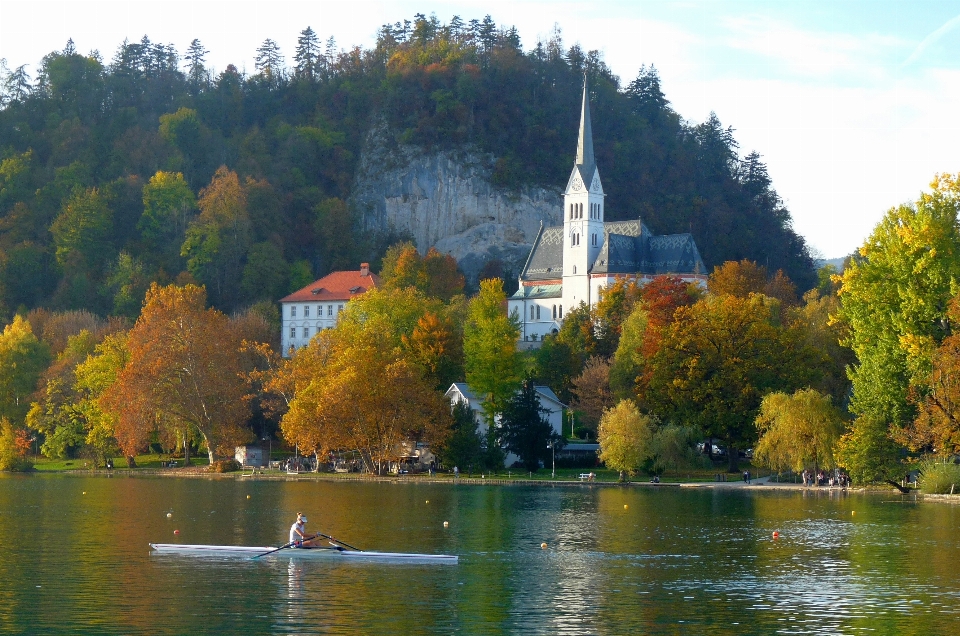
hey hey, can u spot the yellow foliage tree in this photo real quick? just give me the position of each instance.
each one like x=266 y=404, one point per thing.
x=797 y=431
x=625 y=438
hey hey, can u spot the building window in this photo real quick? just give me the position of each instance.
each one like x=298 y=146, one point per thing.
x=339 y=308
x=531 y=312
x=293 y=311
x=560 y=311
x=306 y=332
x=293 y=332
x=329 y=310
x=571 y=211
x=594 y=238
x=574 y=269
x=538 y=312
x=306 y=311
x=554 y=312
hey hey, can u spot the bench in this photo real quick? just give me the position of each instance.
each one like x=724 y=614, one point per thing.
x=586 y=476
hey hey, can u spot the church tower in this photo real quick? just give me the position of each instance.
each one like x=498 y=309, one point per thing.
x=582 y=216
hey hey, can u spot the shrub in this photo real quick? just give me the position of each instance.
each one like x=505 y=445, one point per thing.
x=14 y=444
x=939 y=477
x=225 y=466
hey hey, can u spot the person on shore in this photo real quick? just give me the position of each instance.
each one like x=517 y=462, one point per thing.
x=456 y=472
x=298 y=532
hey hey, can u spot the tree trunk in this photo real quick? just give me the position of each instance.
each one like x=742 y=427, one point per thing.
x=733 y=459
x=131 y=461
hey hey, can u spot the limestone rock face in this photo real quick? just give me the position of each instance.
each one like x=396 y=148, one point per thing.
x=446 y=200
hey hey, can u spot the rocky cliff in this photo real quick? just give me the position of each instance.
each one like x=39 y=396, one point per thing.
x=446 y=200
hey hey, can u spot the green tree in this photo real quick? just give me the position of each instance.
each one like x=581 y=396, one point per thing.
x=464 y=446
x=797 y=431
x=168 y=207
x=625 y=438
x=22 y=359
x=893 y=301
x=218 y=239
x=81 y=233
x=869 y=453
x=491 y=360
x=266 y=274
x=94 y=376
x=525 y=431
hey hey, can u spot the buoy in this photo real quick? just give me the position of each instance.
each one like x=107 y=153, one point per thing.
x=446 y=524
x=176 y=532
x=776 y=535
x=428 y=501
x=624 y=506
x=169 y=514
x=248 y=496
x=543 y=546
x=853 y=512
x=84 y=492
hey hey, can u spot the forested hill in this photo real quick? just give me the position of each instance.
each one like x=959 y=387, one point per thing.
x=92 y=208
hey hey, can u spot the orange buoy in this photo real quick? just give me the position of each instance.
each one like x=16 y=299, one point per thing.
x=776 y=535
x=176 y=532
x=543 y=546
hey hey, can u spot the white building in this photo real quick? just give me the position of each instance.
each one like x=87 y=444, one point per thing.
x=571 y=263
x=316 y=307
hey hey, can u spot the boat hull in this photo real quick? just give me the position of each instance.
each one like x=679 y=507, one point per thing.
x=307 y=553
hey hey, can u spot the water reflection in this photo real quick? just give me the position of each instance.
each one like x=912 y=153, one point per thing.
x=618 y=560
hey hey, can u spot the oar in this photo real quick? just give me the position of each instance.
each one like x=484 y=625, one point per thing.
x=287 y=546
x=346 y=545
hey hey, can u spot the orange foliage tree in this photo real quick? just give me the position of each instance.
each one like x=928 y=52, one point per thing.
x=183 y=376
x=360 y=387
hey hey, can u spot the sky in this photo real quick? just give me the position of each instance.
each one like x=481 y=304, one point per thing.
x=852 y=104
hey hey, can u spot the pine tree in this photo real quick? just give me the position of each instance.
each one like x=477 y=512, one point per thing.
x=197 y=73
x=307 y=55
x=269 y=62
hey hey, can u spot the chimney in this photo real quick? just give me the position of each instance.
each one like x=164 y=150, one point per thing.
x=364 y=269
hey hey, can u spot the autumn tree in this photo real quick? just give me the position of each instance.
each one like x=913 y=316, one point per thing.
x=183 y=376
x=356 y=387
x=14 y=446
x=435 y=274
x=22 y=360
x=717 y=360
x=93 y=377
x=745 y=277
x=797 y=431
x=591 y=392
x=625 y=438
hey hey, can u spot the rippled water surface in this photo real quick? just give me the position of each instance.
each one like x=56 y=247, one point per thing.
x=618 y=561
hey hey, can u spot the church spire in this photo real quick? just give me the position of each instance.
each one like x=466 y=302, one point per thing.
x=585 y=140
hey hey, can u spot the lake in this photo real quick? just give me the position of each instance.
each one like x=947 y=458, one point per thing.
x=619 y=560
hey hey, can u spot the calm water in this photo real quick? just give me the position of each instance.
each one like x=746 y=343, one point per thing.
x=695 y=561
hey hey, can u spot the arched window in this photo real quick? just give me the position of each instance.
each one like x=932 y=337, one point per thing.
x=559 y=311
x=538 y=312
x=554 y=312
x=531 y=312
x=574 y=269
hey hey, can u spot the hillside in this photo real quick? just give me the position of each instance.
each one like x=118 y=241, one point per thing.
x=91 y=209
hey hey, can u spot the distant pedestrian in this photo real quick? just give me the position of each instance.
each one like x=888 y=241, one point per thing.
x=456 y=472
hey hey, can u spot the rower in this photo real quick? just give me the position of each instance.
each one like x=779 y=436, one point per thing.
x=298 y=536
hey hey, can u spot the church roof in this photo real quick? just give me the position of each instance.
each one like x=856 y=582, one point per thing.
x=629 y=247
x=538 y=291
x=648 y=254
x=546 y=257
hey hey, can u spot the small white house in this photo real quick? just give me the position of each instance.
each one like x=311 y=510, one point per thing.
x=461 y=392
x=250 y=456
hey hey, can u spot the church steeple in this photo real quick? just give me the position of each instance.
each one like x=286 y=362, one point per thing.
x=585 y=140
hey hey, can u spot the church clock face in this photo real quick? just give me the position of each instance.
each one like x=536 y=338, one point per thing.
x=577 y=183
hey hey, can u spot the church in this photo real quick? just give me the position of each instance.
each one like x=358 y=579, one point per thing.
x=571 y=263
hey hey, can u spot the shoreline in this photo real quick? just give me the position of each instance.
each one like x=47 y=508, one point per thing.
x=757 y=485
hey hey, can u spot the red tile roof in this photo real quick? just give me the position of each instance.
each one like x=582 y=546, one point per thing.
x=335 y=286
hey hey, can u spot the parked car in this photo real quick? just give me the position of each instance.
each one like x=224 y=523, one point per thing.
x=717 y=451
